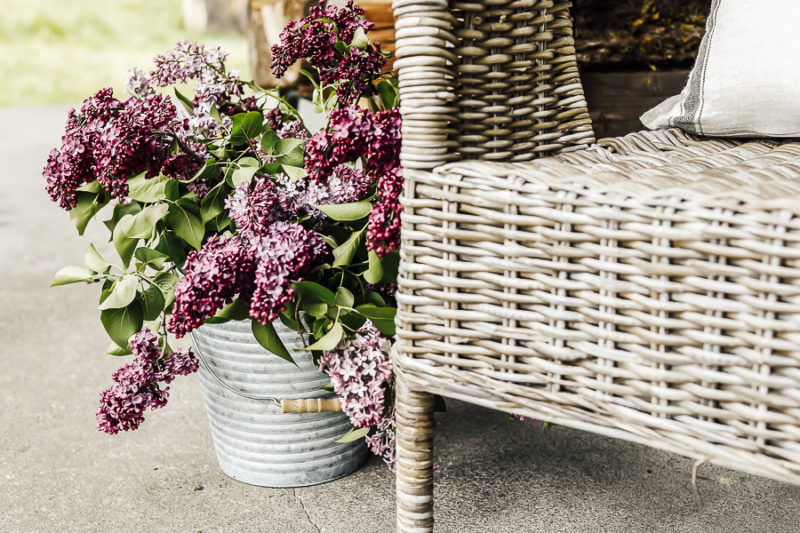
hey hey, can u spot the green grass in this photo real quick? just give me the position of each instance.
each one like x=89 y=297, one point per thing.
x=61 y=51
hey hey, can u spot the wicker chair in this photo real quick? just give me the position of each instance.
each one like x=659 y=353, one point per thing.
x=643 y=287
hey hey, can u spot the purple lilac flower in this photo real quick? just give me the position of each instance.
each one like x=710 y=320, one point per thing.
x=314 y=38
x=284 y=255
x=136 y=384
x=137 y=83
x=354 y=133
x=213 y=276
x=359 y=370
x=345 y=184
x=286 y=127
x=206 y=67
x=381 y=441
x=110 y=140
x=254 y=206
x=383 y=230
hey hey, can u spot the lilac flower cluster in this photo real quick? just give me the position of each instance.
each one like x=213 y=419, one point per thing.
x=286 y=127
x=254 y=206
x=213 y=85
x=354 y=133
x=314 y=38
x=136 y=384
x=284 y=254
x=382 y=442
x=345 y=184
x=110 y=140
x=359 y=371
x=213 y=276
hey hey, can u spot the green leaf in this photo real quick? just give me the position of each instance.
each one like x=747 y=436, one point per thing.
x=209 y=172
x=121 y=323
x=166 y=282
x=148 y=190
x=375 y=298
x=186 y=225
x=269 y=339
x=122 y=294
x=146 y=219
x=330 y=340
x=72 y=274
x=120 y=210
x=246 y=126
x=269 y=142
x=287 y=320
x=89 y=204
x=213 y=203
x=152 y=303
x=286 y=146
x=346 y=212
x=344 y=297
x=353 y=434
x=172 y=246
x=151 y=257
x=344 y=253
x=382 y=317
x=92 y=187
x=317 y=310
x=374 y=273
x=293 y=158
x=360 y=39
x=95 y=261
x=187 y=102
x=391 y=265
x=243 y=175
x=235 y=310
x=312 y=292
x=388 y=94
x=113 y=349
x=294 y=173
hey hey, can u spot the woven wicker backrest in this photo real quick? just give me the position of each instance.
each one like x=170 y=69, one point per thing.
x=491 y=79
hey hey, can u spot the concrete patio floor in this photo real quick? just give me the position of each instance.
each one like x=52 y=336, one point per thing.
x=494 y=474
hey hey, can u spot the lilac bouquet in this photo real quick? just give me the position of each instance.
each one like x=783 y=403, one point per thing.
x=223 y=205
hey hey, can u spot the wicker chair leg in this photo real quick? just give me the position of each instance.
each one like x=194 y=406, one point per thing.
x=414 y=417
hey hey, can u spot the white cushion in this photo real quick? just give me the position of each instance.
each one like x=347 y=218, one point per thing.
x=746 y=80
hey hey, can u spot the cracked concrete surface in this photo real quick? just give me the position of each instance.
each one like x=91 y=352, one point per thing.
x=495 y=475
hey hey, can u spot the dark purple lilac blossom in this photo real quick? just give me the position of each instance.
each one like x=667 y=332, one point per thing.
x=286 y=127
x=355 y=133
x=351 y=68
x=359 y=370
x=136 y=384
x=109 y=140
x=285 y=254
x=212 y=277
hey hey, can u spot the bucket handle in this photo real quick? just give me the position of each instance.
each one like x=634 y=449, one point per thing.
x=307 y=405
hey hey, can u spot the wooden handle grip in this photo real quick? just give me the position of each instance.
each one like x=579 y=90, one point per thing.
x=312 y=405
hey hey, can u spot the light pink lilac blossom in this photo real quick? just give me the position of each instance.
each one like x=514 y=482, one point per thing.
x=359 y=371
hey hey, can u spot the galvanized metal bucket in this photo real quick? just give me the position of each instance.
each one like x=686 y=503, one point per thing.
x=255 y=442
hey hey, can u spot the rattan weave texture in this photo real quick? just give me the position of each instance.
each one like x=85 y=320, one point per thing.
x=644 y=287
x=648 y=292
x=488 y=79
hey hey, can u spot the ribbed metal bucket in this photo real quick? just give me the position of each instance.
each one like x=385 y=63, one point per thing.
x=255 y=442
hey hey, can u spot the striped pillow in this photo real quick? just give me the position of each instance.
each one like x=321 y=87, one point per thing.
x=746 y=81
